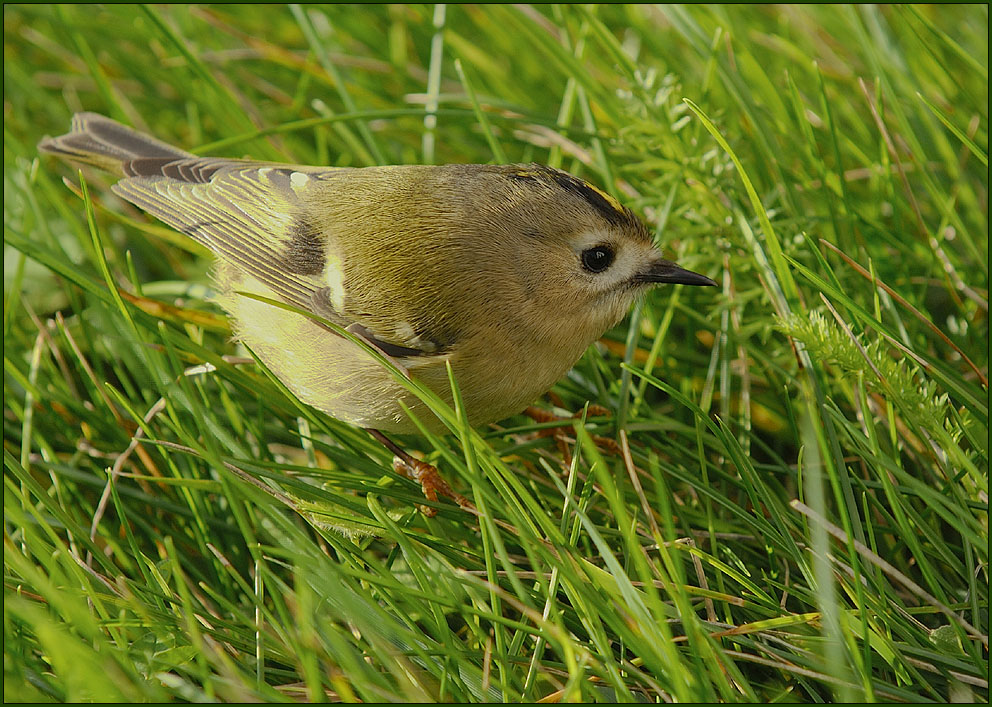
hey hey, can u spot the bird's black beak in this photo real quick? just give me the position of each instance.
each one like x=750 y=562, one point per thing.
x=665 y=271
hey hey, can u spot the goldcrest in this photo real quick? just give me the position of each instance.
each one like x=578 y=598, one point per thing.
x=508 y=272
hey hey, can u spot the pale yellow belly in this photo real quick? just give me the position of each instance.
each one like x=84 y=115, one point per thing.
x=338 y=377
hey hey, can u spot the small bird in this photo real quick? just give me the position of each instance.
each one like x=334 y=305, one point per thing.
x=507 y=272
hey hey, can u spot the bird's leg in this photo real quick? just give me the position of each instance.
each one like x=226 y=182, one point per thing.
x=427 y=475
x=558 y=431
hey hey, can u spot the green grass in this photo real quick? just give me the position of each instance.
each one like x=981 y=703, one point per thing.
x=802 y=514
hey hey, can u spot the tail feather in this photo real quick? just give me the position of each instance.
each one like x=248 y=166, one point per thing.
x=105 y=143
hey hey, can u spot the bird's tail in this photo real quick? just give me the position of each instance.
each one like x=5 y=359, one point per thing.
x=105 y=143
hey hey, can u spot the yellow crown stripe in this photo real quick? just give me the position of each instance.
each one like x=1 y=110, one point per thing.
x=607 y=197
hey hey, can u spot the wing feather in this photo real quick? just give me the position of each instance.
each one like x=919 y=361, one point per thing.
x=225 y=205
x=252 y=216
x=282 y=225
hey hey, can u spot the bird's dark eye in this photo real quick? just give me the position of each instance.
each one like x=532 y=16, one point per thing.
x=597 y=259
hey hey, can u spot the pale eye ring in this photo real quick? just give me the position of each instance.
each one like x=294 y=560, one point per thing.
x=598 y=258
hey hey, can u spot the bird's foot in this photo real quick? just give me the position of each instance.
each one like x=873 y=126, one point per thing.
x=431 y=481
x=558 y=432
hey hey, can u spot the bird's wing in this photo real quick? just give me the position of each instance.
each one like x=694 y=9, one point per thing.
x=253 y=215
